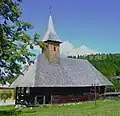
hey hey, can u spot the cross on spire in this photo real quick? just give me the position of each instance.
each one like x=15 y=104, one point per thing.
x=50 y=9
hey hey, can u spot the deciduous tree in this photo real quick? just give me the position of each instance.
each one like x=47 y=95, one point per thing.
x=14 y=40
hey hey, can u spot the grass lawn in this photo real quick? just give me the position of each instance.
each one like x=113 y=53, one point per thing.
x=103 y=108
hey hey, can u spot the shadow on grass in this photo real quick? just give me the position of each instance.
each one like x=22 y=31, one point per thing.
x=14 y=112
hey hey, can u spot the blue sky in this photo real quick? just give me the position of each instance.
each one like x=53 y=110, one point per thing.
x=94 y=23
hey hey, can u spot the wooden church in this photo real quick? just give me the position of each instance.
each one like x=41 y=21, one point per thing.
x=52 y=79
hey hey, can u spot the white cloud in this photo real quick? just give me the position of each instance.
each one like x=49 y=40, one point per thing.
x=37 y=47
x=67 y=49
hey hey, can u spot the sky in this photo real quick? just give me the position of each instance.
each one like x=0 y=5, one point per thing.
x=94 y=24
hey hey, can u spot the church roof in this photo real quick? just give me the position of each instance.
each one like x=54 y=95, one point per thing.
x=51 y=34
x=69 y=73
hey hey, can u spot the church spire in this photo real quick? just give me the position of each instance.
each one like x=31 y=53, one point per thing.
x=51 y=34
x=52 y=51
x=51 y=28
x=50 y=22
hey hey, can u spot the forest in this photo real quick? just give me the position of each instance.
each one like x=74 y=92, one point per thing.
x=107 y=64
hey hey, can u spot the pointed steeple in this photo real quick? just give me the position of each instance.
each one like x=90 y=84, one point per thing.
x=51 y=34
x=51 y=26
x=52 y=51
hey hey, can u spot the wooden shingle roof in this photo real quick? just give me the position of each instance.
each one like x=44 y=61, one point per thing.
x=69 y=73
x=51 y=34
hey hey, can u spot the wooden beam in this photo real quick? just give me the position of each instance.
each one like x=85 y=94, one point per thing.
x=43 y=100
x=35 y=100
x=20 y=90
x=24 y=91
x=16 y=95
x=51 y=99
x=99 y=89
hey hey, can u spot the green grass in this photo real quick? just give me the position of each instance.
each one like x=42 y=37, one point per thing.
x=103 y=108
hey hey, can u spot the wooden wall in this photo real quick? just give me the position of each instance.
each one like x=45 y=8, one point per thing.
x=52 y=52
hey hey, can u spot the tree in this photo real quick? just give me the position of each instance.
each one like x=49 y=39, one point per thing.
x=118 y=73
x=78 y=57
x=14 y=40
x=74 y=57
x=5 y=95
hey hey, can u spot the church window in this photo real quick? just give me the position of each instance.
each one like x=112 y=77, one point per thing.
x=54 y=48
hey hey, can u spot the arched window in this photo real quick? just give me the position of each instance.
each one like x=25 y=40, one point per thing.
x=54 y=48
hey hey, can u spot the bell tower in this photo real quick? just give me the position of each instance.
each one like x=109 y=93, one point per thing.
x=52 y=51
